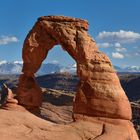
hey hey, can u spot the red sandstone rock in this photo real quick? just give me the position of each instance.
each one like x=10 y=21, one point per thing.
x=19 y=125
x=99 y=91
x=30 y=93
x=7 y=97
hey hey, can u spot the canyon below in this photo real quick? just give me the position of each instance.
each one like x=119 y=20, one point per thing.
x=59 y=89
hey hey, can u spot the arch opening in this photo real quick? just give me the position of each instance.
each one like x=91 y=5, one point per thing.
x=58 y=71
x=59 y=55
x=58 y=86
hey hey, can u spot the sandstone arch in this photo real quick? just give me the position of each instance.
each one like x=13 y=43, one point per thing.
x=99 y=91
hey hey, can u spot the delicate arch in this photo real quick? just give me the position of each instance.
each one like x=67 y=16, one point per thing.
x=99 y=92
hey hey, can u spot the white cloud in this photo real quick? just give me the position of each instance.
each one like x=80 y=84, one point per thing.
x=117 y=55
x=136 y=47
x=119 y=37
x=137 y=53
x=120 y=49
x=104 y=45
x=117 y=44
x=132 y=54
x=107 y=45
x=4 y=40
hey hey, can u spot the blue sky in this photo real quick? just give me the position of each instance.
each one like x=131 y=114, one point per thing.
x=114 y=24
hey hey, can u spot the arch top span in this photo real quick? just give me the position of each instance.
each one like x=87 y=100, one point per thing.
x=77 y=22
x=48 y=31
x=99 y=92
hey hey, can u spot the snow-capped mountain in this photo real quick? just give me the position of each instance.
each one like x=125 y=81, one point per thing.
x=49 y=68
x=69 y=69
x=127 y=69
x=10 y=67
x=16 y=68
x=133 y=68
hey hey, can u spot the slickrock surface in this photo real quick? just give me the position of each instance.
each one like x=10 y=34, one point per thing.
x=99 y=93
x=22 y=125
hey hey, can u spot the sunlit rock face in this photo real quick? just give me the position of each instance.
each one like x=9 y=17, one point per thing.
x=99 y=93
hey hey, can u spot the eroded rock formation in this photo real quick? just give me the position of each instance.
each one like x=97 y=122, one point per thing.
x=99 y=93
x=7 y=98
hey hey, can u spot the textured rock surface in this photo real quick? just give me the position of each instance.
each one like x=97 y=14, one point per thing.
x=7 y=98
x=99 y=92
x=22 y=125
x=30 y=93
x=136 y=115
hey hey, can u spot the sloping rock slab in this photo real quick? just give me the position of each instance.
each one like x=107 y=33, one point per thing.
x=22 y=125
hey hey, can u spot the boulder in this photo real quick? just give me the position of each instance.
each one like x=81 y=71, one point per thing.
x=7 y=98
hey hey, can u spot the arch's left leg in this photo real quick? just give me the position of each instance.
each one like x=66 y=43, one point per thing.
x=34 y=52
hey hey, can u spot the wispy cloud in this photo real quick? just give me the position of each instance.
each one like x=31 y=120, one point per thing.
x=104 y=45
x=107 y=45
x=133 y=54
x=119 y=49
x=4 y=40
x=117 y=44
x=117 y=55
x=120 y=36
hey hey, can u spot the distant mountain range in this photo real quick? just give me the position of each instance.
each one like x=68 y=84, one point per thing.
x=127 y=69
x=10 y=67
x=48 y=68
